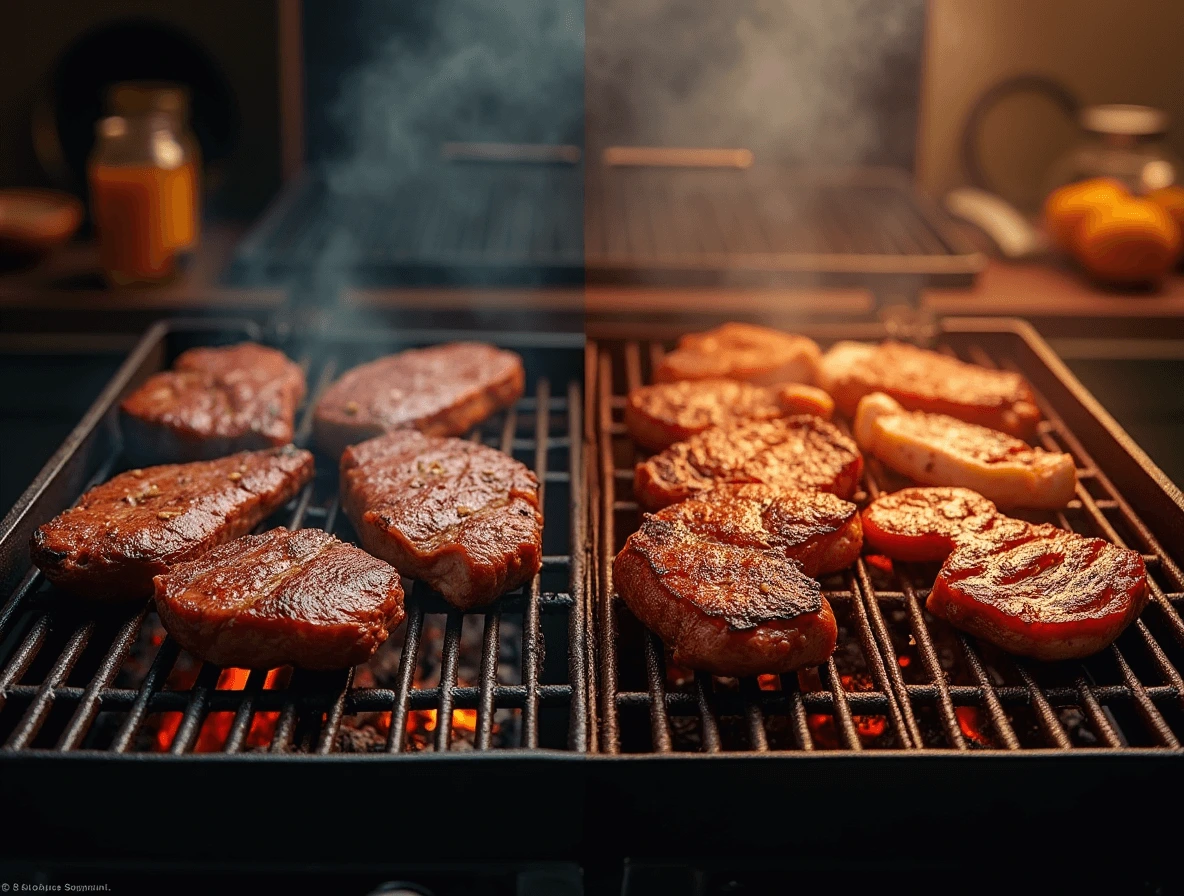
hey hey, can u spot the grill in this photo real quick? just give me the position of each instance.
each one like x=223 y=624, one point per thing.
x=901 y=680
x=490 y=223
x=79 y=679
x=662 y=225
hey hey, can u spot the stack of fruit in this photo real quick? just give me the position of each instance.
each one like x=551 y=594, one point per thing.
x=1117 y=237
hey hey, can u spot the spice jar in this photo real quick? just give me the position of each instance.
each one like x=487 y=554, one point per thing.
x=142 y=197
x=135 y=99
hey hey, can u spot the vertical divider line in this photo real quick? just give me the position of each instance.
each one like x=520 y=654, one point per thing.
x=577 y=620
x=610 y=736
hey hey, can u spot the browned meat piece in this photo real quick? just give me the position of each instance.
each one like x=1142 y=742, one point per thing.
x=741 y=352
x=444 y=390
x=802 y=452
x=298 y=598
x=214 y=401
x=458 y=515
x=660 y=415
x=726 y=581
x=1033 y=590
x=137 y=525
x=928 y=381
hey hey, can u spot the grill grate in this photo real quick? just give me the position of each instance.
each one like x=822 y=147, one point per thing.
x=76 y=679
x=900 y=679
x=660 y=224
x=474 y=223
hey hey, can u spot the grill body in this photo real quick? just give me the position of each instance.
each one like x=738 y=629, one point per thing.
x=911 y=727
x=92 y=702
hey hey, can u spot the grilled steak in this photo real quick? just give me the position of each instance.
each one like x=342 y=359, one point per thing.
x=927 y=381
x=458 y=515
x=302 y=598
x=660 y=415
x=1033 y=590
x=444 y=390
x=934 y=449
x=127 y=530
x=741 y=352
x=726 y=581
x=802 y=452
x=214 y=401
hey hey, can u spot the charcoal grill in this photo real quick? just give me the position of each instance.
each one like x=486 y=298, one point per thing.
x=70 y=724
x=910 y=722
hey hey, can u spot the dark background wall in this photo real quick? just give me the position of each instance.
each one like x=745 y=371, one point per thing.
x=240 y=36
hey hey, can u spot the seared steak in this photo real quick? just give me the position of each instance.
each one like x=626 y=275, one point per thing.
x=213 y=402
x=444 y=390
x=127 y=530
x=802 y=452
x=458 y=515
x=302 y=598
x=1033 y=590
x=660 y=415
x=726 y=580
x=928 y=381
x=741 y=352
x=933 y=449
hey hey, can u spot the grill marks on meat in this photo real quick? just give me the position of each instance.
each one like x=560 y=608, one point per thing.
x=928 y=381
x=934 y=449
x=213 y=402
x=1033 y=590
x=658 y=416
x=443 y=390
x=135 y=526
x=302 y=598
x=461 y=516
x=802 y=452
x=741 y=352
x=727 y=581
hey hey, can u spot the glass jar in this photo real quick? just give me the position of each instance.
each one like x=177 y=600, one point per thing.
x=1123 y=142
x=142 y=197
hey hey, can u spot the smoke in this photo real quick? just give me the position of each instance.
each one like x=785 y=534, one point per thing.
x=465 y=70
x=795 y=80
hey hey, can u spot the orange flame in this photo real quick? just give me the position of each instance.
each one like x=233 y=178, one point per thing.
x=216 y=726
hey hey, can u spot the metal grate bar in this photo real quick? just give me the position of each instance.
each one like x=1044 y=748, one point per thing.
x=842 y=709
x=448 y=681
x=332 y=723
x=35 y=715
x=195 y=714
x=88 y=704
x=708 y=726
x=398 y=731
x=240 y=727
x=158 y=673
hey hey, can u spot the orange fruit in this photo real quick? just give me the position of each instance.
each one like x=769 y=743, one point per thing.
x=1133 y=241
x=1172 y=200
x=1066 y=207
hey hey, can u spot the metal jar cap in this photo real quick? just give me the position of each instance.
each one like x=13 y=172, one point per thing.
x=1123 y=119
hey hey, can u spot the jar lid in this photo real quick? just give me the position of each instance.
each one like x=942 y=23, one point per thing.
x=1124 y=120
x=133 y=98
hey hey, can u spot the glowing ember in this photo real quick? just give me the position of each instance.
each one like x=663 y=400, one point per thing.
x=879 y=561
x=822 y=725
x=767 y=682
x=970 y=721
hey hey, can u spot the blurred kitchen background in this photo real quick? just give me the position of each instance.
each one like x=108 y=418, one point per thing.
x=527 y=209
